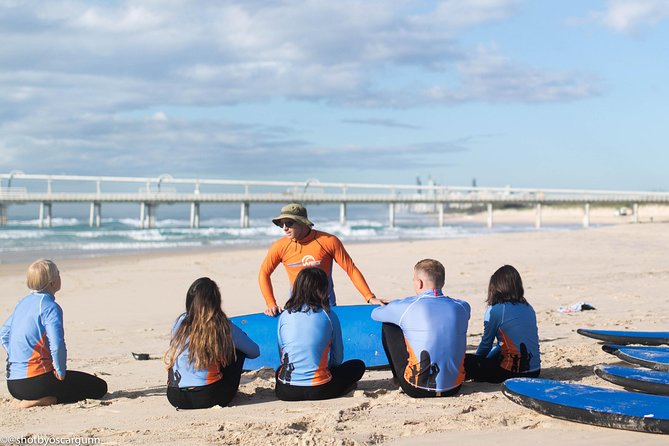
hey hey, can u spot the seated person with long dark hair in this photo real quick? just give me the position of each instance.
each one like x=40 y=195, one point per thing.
x=206 y=353
x=425 y=336
x=311 y=345
x=34 y=338
x=510 y=320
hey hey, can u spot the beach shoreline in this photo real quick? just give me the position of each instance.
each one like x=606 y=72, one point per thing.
x=115 y=305
x=23 y=243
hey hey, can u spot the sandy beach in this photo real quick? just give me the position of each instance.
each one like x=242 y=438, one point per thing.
x=117 y=305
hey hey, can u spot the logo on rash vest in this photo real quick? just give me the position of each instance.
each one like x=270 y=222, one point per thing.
x=307 y=261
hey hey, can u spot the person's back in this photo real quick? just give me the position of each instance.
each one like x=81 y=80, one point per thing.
x=185 y=374
x=206 y=353
x=425 y=336
x=33 y=336
x=311 y=345
x=509 y=346
x=305 y=339
x=29 y=351
x=514 y=325
x=435 y=329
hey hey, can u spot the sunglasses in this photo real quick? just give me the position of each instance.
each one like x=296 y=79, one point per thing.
x=285 y=224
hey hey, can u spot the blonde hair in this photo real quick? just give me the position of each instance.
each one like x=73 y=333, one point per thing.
x=40 y=274
x=205 y=329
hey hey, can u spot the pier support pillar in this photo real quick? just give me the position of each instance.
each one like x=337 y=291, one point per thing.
x=537 y=223
x=586 y=215
x=194 y=215
x=342 y=214
x=635 y=207
x=45 y=215
x=489 y=215
x=3 y=215
x=391 y=215
x=95 y=216
x=244 y=215
x=440 y=210
x=147 y=217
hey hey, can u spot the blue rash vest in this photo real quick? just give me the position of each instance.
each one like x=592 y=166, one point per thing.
x=435 y=330
x=515 y=328
x=183 y=374
x=33 y=337
x=310 y=342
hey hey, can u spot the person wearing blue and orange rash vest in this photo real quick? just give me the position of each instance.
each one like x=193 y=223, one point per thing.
x=311 y=345
x=425 y=336
x=34 y=339
x=206 y=352
x=511 y=320
x=305 y=247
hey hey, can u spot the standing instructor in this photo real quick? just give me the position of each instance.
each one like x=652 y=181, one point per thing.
x=304 y=247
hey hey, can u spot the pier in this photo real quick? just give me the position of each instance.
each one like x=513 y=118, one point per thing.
x=149 y=193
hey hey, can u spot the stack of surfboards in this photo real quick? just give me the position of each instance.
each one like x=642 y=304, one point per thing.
x=644 y=406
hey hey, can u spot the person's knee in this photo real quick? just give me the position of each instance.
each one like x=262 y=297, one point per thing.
x=101 y=389
x=359 y=367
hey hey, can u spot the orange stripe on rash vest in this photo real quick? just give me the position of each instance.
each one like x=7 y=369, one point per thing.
x=40 y=361
x=509 y=351
x=214 y=373
x=322 y=375
x=413 y=366
x=461 y=374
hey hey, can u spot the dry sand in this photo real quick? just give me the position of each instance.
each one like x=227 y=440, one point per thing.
x=116 y=305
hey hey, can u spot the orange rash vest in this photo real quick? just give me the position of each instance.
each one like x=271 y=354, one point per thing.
x=317 y=249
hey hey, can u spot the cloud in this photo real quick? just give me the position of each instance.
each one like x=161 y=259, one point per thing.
x=160 y=144
x=85 y=84
x=123 y=55
x=381 y=123
x=463 y=14
x=489 y=76
x=388 y=158
x=628 y=16
x=111 y=145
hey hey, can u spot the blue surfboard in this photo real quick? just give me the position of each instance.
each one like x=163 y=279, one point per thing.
x=612 y=348
x=651 y=357
x=361 y=335
x=591 y=405
x=623 y=337
x=644 y=380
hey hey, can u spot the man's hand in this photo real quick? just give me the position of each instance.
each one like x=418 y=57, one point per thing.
x=273 y=311
x=377 y=301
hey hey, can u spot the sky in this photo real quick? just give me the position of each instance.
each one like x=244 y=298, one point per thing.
x=539 y=94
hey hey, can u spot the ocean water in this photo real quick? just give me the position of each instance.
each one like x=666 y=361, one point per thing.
x=22 y=240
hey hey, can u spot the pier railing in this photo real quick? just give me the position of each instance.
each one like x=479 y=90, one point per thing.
x=152 y=192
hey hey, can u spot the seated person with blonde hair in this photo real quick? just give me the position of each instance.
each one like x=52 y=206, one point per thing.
x=34 y=339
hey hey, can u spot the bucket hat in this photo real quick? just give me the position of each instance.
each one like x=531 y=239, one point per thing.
x=293 y=211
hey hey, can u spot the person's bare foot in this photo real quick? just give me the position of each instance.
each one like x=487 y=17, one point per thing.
x=25 y=404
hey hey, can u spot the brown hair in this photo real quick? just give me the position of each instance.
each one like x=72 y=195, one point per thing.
x=506 y=286
x=434 y=270
x=310 y=289
x=40 y=274
x=205 y=329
